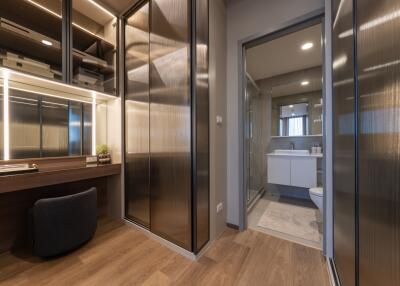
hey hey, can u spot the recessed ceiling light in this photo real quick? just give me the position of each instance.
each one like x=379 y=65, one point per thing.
x=290 y=106
x=307 y=46
x=47 y=43
x=305 y=82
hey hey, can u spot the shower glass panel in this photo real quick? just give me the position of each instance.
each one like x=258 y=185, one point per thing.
x=137 y=134
x=254 y=142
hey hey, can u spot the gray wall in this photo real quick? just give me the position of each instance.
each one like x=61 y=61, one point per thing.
x=248 y=18
x=218 y=142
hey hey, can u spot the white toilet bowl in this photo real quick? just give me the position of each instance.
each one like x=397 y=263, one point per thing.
x=317 y=196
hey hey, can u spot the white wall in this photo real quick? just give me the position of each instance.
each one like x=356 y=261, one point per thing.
x=217 y=74
x=248 y=18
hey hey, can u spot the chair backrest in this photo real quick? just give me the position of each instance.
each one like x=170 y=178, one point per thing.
x=64 y=223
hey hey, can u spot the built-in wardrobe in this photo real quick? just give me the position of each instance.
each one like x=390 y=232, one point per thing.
x=366 y=124
x=167 y=120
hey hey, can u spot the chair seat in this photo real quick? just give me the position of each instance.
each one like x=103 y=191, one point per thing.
x=64 y=223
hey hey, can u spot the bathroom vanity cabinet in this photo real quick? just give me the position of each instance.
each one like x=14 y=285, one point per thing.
x=298 y=170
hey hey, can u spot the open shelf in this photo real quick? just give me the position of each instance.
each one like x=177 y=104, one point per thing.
x=23 y=36
x=26 y=82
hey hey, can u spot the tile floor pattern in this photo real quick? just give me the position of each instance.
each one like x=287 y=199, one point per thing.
x=292 y=219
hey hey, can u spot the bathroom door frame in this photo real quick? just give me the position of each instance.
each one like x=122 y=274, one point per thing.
x=304 y=21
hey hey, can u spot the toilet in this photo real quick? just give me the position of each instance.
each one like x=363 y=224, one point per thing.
x=317 y=196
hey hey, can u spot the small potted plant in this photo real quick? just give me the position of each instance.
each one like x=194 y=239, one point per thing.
x=103 y=155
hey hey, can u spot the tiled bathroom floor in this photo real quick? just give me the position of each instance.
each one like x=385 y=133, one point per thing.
x=308 y=232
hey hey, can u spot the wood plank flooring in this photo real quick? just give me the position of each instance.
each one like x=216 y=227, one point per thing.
x=121 y=255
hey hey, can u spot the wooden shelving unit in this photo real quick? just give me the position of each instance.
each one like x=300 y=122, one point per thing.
x=24 y=37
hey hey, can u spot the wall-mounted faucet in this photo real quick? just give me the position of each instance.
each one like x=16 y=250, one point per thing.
x=292 y=147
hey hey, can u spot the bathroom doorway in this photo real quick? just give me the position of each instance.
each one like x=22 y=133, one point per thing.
x=283 y=108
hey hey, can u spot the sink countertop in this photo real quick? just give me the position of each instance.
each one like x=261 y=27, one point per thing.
x=320 y=155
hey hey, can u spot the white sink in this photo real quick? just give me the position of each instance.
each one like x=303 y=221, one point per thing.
x=292 y=152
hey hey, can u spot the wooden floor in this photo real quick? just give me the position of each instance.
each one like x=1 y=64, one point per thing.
x=121 y=255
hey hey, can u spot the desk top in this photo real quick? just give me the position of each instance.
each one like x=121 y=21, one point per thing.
x=56 y=171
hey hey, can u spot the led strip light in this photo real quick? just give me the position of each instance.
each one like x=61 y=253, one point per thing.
x=6 y=122
x=93 y=123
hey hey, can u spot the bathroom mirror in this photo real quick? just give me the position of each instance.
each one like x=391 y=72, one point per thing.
x=297 y=114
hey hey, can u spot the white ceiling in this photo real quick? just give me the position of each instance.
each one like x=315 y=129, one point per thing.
x=296 y=88
x=284 y=55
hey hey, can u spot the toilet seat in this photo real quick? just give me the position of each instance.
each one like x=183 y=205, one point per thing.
x=317 y=192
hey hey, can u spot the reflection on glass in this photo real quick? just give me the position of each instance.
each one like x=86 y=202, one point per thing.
x=30 y=37
x=293 y=120
x=87 y=129
x=94 y=46
x=75 y=128
x=54 y=113
x=44 y=126
x=24 y=125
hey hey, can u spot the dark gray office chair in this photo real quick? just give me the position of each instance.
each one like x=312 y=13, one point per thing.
x=62 y=224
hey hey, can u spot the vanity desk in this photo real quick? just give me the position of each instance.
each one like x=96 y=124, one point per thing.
x=55 y=177
x=53 y=171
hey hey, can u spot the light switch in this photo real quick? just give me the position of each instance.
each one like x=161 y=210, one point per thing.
x=219 y=120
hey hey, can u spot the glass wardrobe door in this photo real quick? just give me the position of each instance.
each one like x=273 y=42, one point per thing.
x=344 y=141
x=378 y=45
x=137 y=117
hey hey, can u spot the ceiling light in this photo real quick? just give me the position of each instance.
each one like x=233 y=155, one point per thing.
x=290 y=106
x=307 y=46
x=47 y=43
x=304 y=83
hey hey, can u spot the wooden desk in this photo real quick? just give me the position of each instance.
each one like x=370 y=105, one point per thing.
x=56 y=177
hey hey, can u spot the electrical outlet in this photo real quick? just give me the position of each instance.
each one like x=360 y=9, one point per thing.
x=220 y=207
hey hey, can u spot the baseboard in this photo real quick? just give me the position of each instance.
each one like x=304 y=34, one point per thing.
x=231 y=225
x=333 y=278
x=170 y=245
